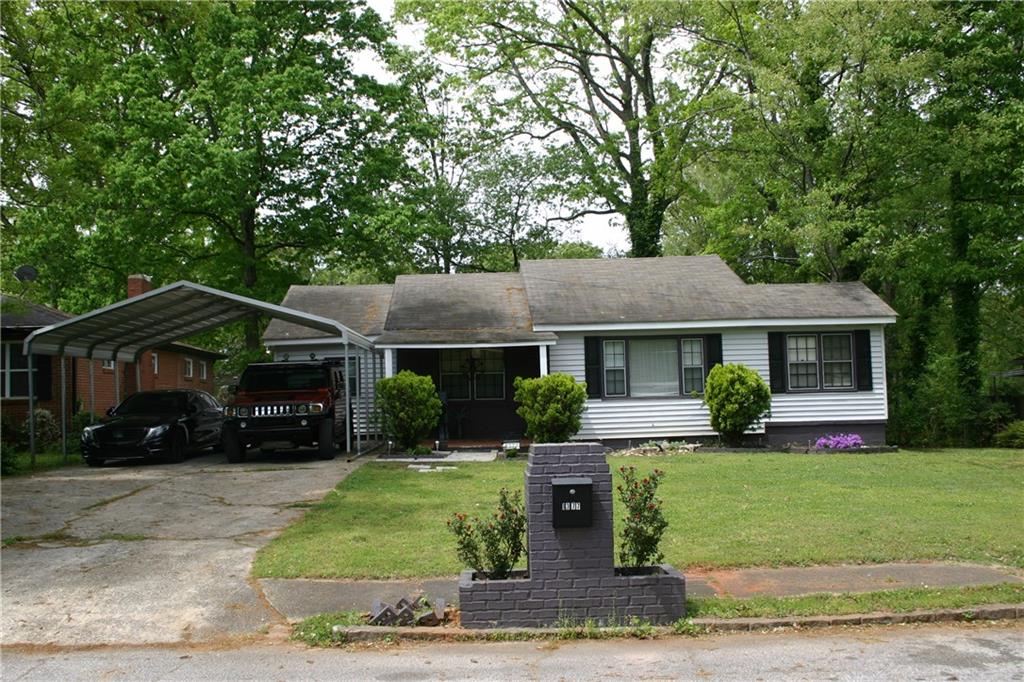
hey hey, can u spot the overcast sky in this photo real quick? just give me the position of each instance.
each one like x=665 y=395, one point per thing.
x=602 y=230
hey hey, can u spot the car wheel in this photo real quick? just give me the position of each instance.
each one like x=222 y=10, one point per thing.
x=233 y=448
x=94 y=461
x=176 y=453
x=325 y=439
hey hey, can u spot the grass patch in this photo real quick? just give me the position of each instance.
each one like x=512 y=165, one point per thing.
x=318 y=630
x=890 y=601
x=51 y=458
x=388 y=521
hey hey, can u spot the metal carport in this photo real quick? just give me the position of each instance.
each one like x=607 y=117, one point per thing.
x=123 y=330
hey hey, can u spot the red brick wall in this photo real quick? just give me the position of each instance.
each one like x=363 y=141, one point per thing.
x=171 y=374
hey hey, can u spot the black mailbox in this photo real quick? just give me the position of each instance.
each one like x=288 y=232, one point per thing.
x=572 y=504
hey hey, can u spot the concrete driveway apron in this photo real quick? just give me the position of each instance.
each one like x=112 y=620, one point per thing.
x=148 y=553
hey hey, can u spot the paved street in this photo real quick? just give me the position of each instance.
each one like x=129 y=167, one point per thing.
x=932 y=652
x=148 y=553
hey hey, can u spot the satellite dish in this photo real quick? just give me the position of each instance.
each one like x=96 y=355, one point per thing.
x=26 y=273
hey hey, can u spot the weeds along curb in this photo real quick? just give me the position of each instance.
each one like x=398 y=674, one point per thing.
x=366 y=633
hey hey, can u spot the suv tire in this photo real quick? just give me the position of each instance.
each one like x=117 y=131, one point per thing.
x=233 y=448
x=325 y=438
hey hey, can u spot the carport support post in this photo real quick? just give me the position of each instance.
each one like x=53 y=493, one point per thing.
x=138 y=375
x=63 y=411
x=31 y=411
x=92 y=390
x=348 y=406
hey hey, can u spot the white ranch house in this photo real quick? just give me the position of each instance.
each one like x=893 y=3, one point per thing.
x=642 y=332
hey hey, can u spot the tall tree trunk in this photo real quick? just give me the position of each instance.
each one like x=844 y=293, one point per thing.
x=966 y=304
x=644 y=219
x=248 y=219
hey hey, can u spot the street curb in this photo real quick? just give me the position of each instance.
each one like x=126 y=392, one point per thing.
x=367 y=633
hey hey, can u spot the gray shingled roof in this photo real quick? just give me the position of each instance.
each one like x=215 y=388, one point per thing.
x=678 y=289
x=362 y=308
x=16 y=313
x=463 y=308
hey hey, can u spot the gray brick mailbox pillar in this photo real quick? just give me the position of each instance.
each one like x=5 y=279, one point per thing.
x=572 y=575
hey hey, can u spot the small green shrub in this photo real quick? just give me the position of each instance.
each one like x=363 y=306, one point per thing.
x=47 y=428
x=645 y=521
x=551 y=406
x=408 y=407
x=12 y=435
x=737 y=399
x=1012 y=436
x=494 y=546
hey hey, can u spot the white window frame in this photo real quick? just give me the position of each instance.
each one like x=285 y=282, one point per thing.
x=853 y=368
x=107 y=364
x=624 y=368
x=189 y=368
x=202 y=370
x=156 y=363
x=470 y=375
x=7 y=349
x=683 y=366
x=816 y=362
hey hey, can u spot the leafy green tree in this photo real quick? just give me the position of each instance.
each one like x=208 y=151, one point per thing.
x=592 y=82
x=228 y=142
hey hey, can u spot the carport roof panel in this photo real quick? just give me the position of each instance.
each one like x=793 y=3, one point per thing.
x=124 y=329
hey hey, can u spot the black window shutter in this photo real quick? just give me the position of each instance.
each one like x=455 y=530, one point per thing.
x=592 y=361
x=862 y=352
x=777 y=361
x=44 y=376
x=712 y=351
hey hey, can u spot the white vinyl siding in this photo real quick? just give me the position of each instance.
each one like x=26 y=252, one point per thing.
x=681 y=417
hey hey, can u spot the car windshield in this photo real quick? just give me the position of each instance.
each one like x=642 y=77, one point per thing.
x=283 y=378
x=153 y=403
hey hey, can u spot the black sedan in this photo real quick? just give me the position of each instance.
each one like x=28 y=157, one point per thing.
x=158 y=424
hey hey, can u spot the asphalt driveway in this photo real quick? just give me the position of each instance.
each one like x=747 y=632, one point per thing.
x=148 y=553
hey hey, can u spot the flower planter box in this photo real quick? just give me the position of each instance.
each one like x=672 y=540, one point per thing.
x=656 y=594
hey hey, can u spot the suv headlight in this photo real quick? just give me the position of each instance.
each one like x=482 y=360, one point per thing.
x=229 y=411
x=156 y=431
x=316 y=408
x=301 y=409
x=243 y=411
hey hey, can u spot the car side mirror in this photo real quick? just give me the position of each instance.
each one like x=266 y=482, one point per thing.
x=110 y=411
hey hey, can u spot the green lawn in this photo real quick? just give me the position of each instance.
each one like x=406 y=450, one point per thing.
x=51 y=458
x=387 y=521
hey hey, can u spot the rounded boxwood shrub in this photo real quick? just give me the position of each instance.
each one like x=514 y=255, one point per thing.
x=408 y=406
x=737 y=398
x=551 y=406
x=47 y=428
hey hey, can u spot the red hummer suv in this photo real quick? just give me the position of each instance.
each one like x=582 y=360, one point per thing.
x=284 y=405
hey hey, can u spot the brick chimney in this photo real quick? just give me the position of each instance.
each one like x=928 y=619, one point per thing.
x=139 y=284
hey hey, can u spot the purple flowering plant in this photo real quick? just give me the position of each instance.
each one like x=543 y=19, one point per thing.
x=839 y=441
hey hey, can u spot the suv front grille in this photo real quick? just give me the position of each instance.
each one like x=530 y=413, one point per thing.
x=272 y=410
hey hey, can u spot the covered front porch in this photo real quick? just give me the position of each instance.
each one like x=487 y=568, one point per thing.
x=475 y=384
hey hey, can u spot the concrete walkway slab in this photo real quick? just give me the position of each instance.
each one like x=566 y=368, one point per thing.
x=786 y=582
x=298 y=599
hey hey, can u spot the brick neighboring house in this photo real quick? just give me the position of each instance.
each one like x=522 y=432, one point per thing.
x=174 y=365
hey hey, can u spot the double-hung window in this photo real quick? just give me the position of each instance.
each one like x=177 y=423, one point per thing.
x=156 y=363
x=14 y=371
x=655 y=367
x=615 y=368
x=489 y=375
x=189 y=369
x=820 y=360
x=693 y=366
x=202 y=370
x=107 y=364
x=802 y=357
x=837 y=360
x=455 y=374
